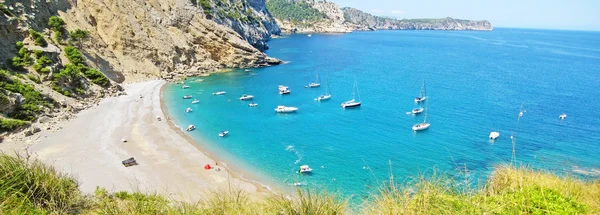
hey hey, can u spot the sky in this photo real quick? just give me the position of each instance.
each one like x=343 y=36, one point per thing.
x=549 y=14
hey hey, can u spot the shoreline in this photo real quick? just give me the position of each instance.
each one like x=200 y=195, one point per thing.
x=90 y=148
x=233 y=171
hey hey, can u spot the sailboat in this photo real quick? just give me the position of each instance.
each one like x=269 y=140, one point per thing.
x=316 y=83
x=353 y=102
x=424 y=125
x=423 y=96
x=327 y=95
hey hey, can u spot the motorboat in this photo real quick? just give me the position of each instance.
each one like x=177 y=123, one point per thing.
x=353 y=102
x=187 y=97
x=246 y=97
x=417 y=110
x=494 y=135
x=310 y=35
x=563 y=116
x=421 y=126
x=191 y=128
x=252 y=104
x=185 y=86
x=219 y=93
x=247 y=70
x=188 y=110
x=223 y=133
x=195 y=101
x=305 y=169
x=284 y=90
x=284 y=109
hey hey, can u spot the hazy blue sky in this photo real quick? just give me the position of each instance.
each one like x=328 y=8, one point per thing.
x=554 y=14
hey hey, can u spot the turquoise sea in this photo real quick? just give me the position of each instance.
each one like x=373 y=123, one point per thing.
x=476 y=83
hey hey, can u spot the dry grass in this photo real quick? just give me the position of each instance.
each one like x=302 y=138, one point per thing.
x=30 y=187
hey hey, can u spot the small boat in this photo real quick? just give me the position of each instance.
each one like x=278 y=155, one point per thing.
x=563 y=116
x=417 y=110
x=353 y=102
x=246 y=97
x=185 y=86
x=252 y=104
x=284 y=109
x=424 y=125
x=316 y=83
x=325 y=96
x=191 y=128
x=284 y=90
x=247 y=70
x=494 y=135
x=187 y=97
x=298 y=184
x=309 y=35
x=195 y=101
x=421 y=126
x=423 y=96
x=305 y=169
x=223 y=133
x=188 y=110
x=219 y=93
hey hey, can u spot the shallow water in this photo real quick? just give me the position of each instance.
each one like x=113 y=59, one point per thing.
x=476 y=82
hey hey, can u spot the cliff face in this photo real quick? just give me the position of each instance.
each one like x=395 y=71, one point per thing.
x=249 y=18
x=367 y=21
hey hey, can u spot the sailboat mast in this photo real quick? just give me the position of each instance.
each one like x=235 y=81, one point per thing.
x=426 y=110
x=327 y=86
x=356 y=88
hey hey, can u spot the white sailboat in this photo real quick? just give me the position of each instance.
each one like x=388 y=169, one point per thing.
x=423 y=95
x=327 y=95
x=316 y=83
x=353 y=102
x=424 y=125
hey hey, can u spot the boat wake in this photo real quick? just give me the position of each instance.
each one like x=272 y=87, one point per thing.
x=291 y=148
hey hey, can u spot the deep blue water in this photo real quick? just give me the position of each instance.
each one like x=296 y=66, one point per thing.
x=476 y=83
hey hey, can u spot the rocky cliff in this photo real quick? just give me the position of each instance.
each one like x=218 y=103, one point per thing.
x=364 y=21
x=295 y=16
x=58 y=54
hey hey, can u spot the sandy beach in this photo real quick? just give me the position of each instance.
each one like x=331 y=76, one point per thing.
x=90 y=148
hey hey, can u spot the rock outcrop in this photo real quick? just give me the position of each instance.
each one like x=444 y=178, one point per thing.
x=332 y=22
x=364 y=21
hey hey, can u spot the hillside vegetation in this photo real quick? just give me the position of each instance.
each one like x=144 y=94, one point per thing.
x=295 y=11
x=30 y=187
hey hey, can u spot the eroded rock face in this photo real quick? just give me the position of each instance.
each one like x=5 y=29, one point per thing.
x=333 y=24
x=151 y=38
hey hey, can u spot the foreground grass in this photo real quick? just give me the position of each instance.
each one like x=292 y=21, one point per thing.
x=30 y=187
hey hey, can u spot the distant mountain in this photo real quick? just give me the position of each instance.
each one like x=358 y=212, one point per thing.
x=307 y=16
x=364 y=20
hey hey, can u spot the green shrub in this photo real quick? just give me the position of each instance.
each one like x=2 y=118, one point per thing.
x=74 y=56
x=19 y=45
x=37 y=67
x=78 y=34
x=33 y=99
x=34 y=78
x=45 y=70
x=97 y=77
x=11 y=124
x=38 y=53
x=38 y=38
x=56 y=23
x=44 y=61
x=206 y=6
